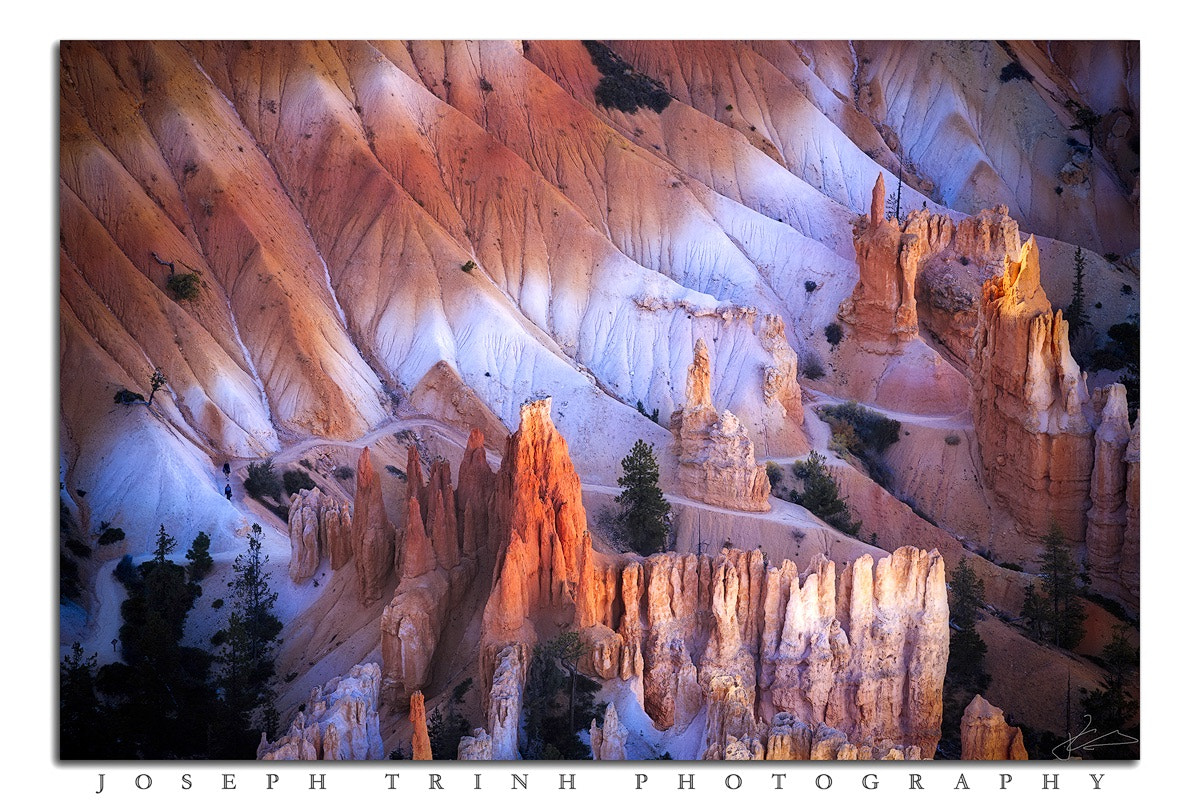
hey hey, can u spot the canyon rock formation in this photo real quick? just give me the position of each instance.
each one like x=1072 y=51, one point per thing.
x=1029 y=403
x=729 y=636
x=421 y=749
x=987 y=737
x=340 y=722
x=318 y=526
x=372 y=536
x=1131 y=549
x=323 y=244
x=1108 y=519
x=716 y=456
x=883 y=306
x=608 y=739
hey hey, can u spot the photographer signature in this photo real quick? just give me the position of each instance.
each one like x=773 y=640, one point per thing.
x=1088 y=740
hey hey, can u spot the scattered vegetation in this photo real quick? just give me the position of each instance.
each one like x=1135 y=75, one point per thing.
x=1085 y=120
x=262 y=480
x=645 y=514
x=623 y=88
x=343 y=473
x=126 y=397
x=1013 y=71
x=813 y=368
x=109 y=535
x=296 y=479
x=865 y=434
x=822 y=495
x=953 y=439
x=484 y=86
x=834 y=333
x=470 y=265
x=1122 y=354
x=399 y=473
x=445 y=730
x=652 y=415
x=245 y=664
x=810 y=286
x=185 y=286
x=774 y=474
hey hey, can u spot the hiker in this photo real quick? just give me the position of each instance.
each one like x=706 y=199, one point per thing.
x=228 y=493
x=225 y=469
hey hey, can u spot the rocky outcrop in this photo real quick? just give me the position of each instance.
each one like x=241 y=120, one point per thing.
x=1028 y=402
x=340 y=722
x=434 y=573
x=926 y=263
x=961 y=257
x=474 y=497
x=727 y=635
x=868 y=657
x=883 y=306
x=372 y=537
x=608 y=740
x=716 y=456
x=539 y=506
x=504 y=701
x=1131 y=548
x=987 y=737
x=731 y=732
x=1107 y=519
x=317 y=525
x=789 y=739
x=476 y=747
x=421 y=749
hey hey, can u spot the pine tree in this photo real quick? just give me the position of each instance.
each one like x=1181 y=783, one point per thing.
x=163 y=545
x=1076 y=313
x=1052 y=608
x=967 y=648
x=200 y=563
x=822 y=495
x=1113 y=706
x=81 y=731
x=645 y=513
x=246 y=661
x=157 y=381
x=253 y=598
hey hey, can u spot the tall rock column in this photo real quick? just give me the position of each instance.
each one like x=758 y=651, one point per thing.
x=883 y=306
x=1108 y=516
x=716 y=456
x=1131 y=549
x=1028 y=402
x=372 y=536
x=421 y=748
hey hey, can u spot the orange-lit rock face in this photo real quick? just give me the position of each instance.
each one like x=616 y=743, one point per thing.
x=540 y=511
x=372 y=536
x=987 y=737
x=883 y=307
x=421 y=748
x=716 y=456
x=868 y=658
x=1028 y=399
